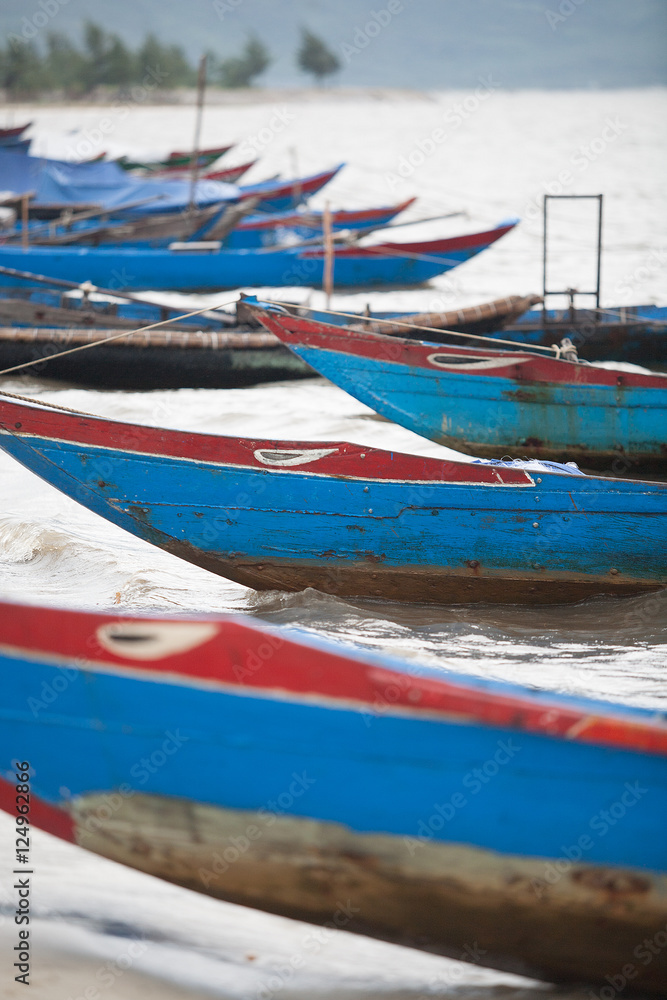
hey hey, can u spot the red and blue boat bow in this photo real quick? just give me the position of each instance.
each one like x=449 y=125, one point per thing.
x=274 y=769
x=352 y=520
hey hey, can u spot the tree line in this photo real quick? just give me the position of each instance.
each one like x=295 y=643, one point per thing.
x=104 y=60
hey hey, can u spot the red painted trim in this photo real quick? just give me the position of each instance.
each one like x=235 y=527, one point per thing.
x=469 y=242
x=231 y=174
x=522 y=366
x=218 y=150
x=346 y=460
x=243 y=656
x=283 y=189
x=10 y=133
x=315 y=218
x=42 y=815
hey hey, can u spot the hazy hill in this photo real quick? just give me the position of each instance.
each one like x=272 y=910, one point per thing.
x=422 y=44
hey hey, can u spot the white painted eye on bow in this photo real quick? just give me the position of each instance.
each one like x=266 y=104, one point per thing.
x=153 y=640
x=468 y=363
x=292 y=457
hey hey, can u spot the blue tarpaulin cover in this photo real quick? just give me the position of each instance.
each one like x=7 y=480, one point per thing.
x=60 y=182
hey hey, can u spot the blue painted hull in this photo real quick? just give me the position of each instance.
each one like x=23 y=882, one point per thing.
x=614 y=425
x=634 y=334
x=485 y=417
x=435 y=827
x=553 y=539
x=345 y=758
x=76 y=312
x=284 y=230
x=139 y=268
x=190 y=271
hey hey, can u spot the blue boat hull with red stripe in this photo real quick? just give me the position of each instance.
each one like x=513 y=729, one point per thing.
x=352 y=520
x=275 y=770
x=270 y=230
x=383 y=264
x=492 y=403
x=278 y=195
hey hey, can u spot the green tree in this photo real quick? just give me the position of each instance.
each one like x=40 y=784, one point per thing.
x=22 y=71
x=95 y=46
x=121 y=65
x=314 y=57
x=64 y=63
x=180 y=72
x=242 y=70
x=166 y=64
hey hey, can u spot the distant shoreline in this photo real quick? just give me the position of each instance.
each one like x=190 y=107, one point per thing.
x=233 y=97
x=219 y=96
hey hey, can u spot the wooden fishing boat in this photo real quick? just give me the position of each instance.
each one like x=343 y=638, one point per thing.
x=151 y=230
x=271 y=229
x=205 y=266
x=46 y=322
x=231 y=223
x=14 y=132
x=634 y=334
x=175 y=162
x=46 y=308
x=492 y=403
x=279 y=195
x=230 y=175
x=58 y=185
x=487 y=317
x=167 y=358
x=267 y=767
x=16 y=145
x=351 y=520
x=183 y=154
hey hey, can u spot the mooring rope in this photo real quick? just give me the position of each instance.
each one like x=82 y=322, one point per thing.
x=427 y=329
x=554 y=349
x=51 y=406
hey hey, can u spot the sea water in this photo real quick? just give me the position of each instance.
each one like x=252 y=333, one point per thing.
x=489 y=158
